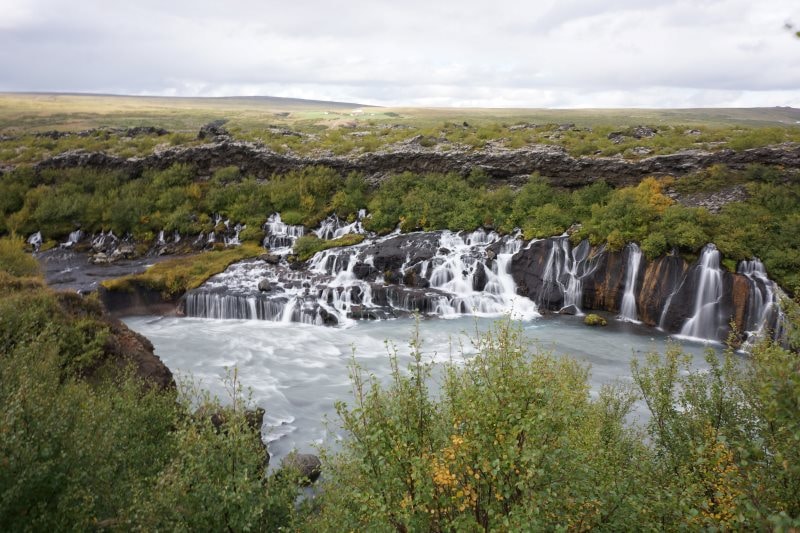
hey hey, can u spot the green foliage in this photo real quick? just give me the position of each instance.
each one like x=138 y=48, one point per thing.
x=725 y=440
x=595 y=320
x=87 y=445
x=180 y=274
x=306 y=246
x=14 y=260
x=512 y=442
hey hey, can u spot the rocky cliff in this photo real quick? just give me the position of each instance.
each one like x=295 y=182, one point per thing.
x=500 y=164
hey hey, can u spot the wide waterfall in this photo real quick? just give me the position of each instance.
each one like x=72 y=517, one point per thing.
x=443 y=273
x=628 y=308
x=482 y=273
x=706 y=320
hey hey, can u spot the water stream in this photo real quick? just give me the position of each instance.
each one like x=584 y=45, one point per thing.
x=298 y=371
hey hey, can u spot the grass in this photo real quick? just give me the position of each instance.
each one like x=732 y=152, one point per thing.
x=176 y=276
x=307 y=246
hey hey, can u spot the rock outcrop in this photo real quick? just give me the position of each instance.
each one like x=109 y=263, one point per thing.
x=500 y=164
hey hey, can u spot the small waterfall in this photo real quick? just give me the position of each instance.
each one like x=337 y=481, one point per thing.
x=628 y=308
x=104 y=239
x=333 y=227
x=234 y=239
x=35 y=240
x=160 y=239
x=705 y=320
x=73 y=239
x=762 y=312
x=280 y=237
x=563 y=274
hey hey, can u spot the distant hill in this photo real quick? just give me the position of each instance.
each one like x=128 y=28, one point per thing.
x=21 y=112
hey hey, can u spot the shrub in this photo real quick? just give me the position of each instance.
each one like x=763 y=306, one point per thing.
x=14 y=260
x=595 y=320
x=513 y=442
x=308 y=245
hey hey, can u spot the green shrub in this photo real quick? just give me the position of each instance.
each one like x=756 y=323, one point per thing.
x=14 y=260
x=595 y=320
x=308 y=245
x=512 y=442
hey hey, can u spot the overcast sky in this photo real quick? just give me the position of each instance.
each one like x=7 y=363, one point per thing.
x=545 y=53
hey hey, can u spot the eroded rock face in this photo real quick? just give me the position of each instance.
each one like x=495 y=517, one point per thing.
x=123 y=347
x=561 y=279
x=500 y=164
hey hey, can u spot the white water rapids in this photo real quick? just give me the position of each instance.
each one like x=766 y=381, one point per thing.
x=297 y=371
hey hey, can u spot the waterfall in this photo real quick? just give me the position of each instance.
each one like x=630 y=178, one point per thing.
x=234 y=240
x=35 y=240
x=333 y=227
x=73 y=239
x=463 y=273
x=280 y=237
x=762 y=309
x=705 y=320
x=563 y=275
x=628 y=309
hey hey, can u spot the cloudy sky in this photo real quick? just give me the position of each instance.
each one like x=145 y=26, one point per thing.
x=545 y=53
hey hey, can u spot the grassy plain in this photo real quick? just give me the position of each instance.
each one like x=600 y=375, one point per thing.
x=23 y=112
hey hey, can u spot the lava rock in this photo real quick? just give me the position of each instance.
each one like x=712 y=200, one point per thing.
x=308 y=465
x=214 y=130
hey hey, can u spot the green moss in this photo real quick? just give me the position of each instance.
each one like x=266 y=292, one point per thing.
x=307 y=246
x=178 y=275
x=595 y=320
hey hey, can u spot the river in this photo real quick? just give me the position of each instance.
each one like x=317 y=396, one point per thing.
x=296 y=372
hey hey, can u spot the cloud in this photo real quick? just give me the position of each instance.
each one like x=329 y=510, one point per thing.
x=578 y=53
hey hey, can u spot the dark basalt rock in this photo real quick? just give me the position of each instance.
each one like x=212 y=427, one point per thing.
x=500 y=164
x=214 y=130
x=308 y=465
x=265 y=285
x=479 y=279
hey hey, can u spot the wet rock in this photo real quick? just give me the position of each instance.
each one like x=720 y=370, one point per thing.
x=479 y=279
x=364 y=271
x=271 y=259
x=328 y=319
x=265 y=285
x=308 y=465
x=569 y=310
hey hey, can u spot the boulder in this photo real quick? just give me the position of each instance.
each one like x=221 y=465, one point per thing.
x=308 y=465
x=271 y=259
x=265 y=285
x=214 y=131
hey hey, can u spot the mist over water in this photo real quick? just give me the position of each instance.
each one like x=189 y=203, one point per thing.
x=298 y=371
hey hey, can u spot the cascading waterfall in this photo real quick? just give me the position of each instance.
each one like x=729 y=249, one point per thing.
x=73 y=239
x=627 y=310
x=36 y=240
x=449 y=274
x=705 y=320
x=564 y=272
x=234 y=239
x=463 y=276
x=280 y=237
x=333 y=227
x=762 y=308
